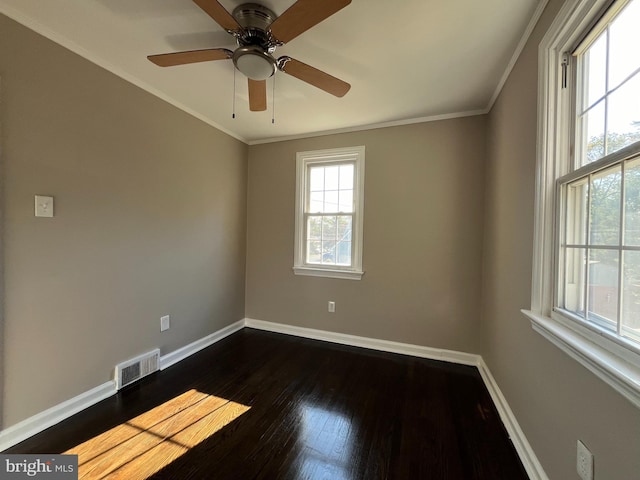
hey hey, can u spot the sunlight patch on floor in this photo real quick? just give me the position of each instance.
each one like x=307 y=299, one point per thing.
x=145 y=444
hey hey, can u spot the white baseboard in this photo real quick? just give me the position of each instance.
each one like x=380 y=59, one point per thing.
x=364 y=342
x=525 y=452
x=180 y=354
x=523 y=448
x=43 y=420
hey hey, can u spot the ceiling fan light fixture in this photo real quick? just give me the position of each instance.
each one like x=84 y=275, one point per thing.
x=254 y=62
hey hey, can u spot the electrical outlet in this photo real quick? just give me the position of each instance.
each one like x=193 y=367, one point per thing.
x=332 y=307
x=165 y=323
x=584 y=462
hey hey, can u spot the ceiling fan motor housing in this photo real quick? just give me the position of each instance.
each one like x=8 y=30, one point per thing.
x=255 y=21
x=255 y=43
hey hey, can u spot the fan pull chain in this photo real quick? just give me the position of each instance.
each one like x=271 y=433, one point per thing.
x=273 y=102
x=233 y=114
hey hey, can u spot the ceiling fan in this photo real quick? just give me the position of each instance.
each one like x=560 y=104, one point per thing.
x=258 y=32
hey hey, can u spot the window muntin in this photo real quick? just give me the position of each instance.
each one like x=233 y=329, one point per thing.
x=599 y=207
x=329 y=213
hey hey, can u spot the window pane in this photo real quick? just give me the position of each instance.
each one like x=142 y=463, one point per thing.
x=314 y=228
x=605 y=207
x=574 y=280
x=631 y=296
x=346 y=201
x=603 y=288
x=576 y=226
x=344 y=253
x=624 y=37
x=623 y=126
x=344 y=227
x=346 y=177
x=316 y=202
x=593 y=128
x=330 y=201
x=329 y=228
x=331 y=178
x=314 y=252
x=329 y=252
x=594 y=63
x=632 y=203
x=316 y=179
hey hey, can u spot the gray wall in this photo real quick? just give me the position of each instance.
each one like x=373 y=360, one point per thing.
x=555 y=400
x=150 y=220
x=422 y=237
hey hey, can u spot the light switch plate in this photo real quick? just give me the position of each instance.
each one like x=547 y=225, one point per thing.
x=165 y=323
x=44 y=206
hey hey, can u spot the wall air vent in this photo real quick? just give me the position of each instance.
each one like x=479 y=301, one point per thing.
x=136 y=368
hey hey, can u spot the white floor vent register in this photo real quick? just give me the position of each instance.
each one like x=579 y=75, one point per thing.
x=136 y=368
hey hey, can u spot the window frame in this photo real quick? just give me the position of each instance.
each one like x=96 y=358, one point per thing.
x=613 y=359
x=304 y=160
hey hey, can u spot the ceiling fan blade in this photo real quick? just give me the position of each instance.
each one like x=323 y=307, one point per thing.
x=257 y=95
x=303 y=15
x=192 y=56
x=219 y=14
x=313 y=76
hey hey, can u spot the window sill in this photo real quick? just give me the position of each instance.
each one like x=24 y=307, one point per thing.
x=621 y=370
x=328 y=273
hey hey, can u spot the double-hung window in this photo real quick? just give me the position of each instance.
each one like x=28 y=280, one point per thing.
x=329 y=213
x=586 y=292
x=600 y=197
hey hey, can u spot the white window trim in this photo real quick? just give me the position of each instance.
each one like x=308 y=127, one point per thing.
x=355 y=154
x=608 y=357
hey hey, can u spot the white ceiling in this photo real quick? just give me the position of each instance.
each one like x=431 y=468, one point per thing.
x=406 y=61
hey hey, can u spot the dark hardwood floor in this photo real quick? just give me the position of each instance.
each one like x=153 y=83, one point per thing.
x=260 y=405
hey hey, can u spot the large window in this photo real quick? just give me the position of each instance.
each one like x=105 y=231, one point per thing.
x=329 y=207
x=600 y=197
x=586 y=286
